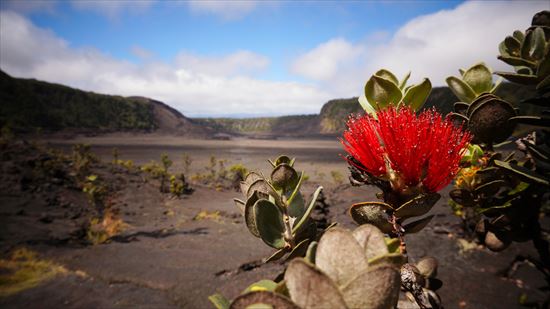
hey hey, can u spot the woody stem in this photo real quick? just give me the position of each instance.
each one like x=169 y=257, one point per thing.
x=398 y=230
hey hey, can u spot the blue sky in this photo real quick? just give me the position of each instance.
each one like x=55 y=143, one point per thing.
x=248 y=58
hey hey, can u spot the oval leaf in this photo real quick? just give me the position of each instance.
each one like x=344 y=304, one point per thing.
x=417 y=226
x=372 y=240
x=309 y=287
x=524 y=79
x=381 y=92
x=479 y=78
x=395 y=259
x=372 y=213
x=269 y=221
x=416 y=96
x=427 y=266
x=387 y=75
x=403 y=82
x=340 y=256
x=463 y=91
x=526 y=174
x=418 y=206
x=305 y=216
x=377 y=288
x=274 y=300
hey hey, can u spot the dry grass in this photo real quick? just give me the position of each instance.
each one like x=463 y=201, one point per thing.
x=24 y=270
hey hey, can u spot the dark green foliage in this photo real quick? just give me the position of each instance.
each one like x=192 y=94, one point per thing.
x=28 y=104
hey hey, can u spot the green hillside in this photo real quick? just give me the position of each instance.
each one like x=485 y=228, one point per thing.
x=333 y=115
x=28 y=104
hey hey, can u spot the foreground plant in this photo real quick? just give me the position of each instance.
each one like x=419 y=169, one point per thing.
x=502 y=193
x=275 y=210
x=409 y=158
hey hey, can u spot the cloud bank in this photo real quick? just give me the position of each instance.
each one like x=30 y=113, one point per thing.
x=433 y=46
x=194 y=84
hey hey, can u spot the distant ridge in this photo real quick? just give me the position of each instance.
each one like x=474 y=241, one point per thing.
x=332 y=118
x=28 y=105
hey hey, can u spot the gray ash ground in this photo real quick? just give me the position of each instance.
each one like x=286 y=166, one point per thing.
x=166 y=259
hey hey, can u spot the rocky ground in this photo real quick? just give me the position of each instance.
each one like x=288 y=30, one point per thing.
x=175 y=252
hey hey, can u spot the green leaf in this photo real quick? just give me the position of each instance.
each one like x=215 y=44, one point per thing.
x=490 y=188
x=276 y=255
x=262 y=300
x=340 y=256
x=250 y=214
x=309 y=209
x=395 y=259
x=518 y=35
x=524 y=79
x=219 y=301
x=296 y=191
x=404 y=81
x=531 y=120
x=387 y=75
x=512 y=45
x=503 y=206
x=479 y=78
x=417 y=226
x=538 y=43
x=522 y=186
x=463 y=91
x=311 y=250
x=461 y=107
x=310 y=288
x=381 y=92
x=372 y=213
x=527 y=46
x=269 y=221
x=366 y=105
x=417 y=206
x=526 y=174
x=393 y=245
x=262 y=285
x=299 y=250
x=417 y=95
x=502 y=49
x=516 y=61
x=283 y=159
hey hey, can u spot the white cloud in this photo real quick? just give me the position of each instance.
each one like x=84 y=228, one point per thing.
x=238 y=63
x=324 y=61
x=229 y=10
x=433 y=46
x=192 y=84
x=111 y=8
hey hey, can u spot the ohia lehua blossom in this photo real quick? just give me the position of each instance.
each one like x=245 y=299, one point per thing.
x=420 y=152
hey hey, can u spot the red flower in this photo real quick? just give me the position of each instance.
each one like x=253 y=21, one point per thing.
x=406 y=149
